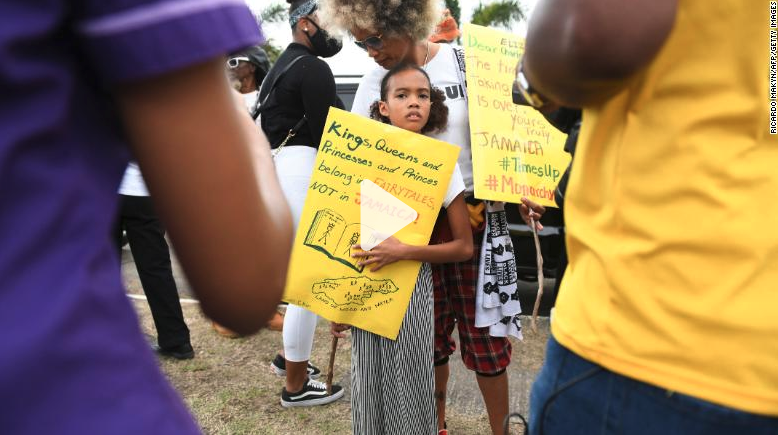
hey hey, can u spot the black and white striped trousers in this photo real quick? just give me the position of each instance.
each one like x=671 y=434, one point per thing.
x=393 y=381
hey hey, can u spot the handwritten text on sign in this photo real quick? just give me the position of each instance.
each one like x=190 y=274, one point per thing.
x=323 y=276
x=516 y=152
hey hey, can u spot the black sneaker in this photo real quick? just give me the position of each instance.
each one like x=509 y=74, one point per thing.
x=279 y=367
x=313 y=393
x=183 y=351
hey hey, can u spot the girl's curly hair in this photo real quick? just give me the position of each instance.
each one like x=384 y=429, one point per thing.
x=413 y=18
x=438 y=119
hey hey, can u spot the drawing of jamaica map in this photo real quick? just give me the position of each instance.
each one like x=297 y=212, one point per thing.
x=353 y=290
x=323 y=275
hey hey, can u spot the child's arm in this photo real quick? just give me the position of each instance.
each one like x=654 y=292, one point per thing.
x=459 y=249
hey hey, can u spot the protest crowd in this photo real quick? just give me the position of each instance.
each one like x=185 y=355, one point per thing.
x=140 y=122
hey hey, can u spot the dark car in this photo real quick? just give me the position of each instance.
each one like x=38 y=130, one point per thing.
x=550 y=238
x=524 y=246
x=346 y=87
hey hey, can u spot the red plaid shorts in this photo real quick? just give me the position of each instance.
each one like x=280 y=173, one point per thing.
x=454 y=286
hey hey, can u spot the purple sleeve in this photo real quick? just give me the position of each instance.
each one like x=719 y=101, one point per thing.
x=128 y=40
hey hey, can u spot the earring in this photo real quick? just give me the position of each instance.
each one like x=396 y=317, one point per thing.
x=305 y=30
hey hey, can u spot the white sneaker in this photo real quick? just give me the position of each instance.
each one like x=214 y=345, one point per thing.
x=313 y=393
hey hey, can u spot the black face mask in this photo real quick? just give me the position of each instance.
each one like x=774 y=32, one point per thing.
x=323 y=44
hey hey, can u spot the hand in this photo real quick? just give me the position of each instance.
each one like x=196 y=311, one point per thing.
x=337 y=329
x=530 y=209
x=387 y=252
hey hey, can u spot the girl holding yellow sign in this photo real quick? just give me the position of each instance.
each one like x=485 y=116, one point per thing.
x=396 y=32
x=393 y=380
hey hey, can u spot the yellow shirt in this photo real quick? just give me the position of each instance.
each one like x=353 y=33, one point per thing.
x=672 y=214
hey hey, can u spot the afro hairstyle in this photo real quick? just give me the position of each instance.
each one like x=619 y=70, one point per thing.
x=411 y=18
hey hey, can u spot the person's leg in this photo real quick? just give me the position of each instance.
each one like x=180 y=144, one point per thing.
x=118 y=231
x=494 y=389
x=445 y=322
x=300 y=389
x=392 y=382
x=563 y=371
x=367 y=366
x=573 y=395
x=294 y=165
x=441 y=388
x=408 y=381
x=416 y=380
x=299 y=328
x=487 y=356
x=152 y=260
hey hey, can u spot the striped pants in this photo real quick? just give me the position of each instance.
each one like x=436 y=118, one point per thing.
x=393 y=382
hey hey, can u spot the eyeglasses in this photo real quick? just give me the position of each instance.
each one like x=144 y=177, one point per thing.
x=375 y=42
x=235 y=61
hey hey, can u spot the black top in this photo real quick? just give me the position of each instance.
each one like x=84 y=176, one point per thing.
x=567 y=121
x=308 y=88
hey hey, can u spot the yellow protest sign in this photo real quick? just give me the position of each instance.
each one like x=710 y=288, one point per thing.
x=323 y=277
x=516 y=152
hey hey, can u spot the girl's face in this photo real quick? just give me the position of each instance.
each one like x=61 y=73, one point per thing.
x=407 y=102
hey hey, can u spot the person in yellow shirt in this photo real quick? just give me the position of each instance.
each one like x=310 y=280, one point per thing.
x=666 y=322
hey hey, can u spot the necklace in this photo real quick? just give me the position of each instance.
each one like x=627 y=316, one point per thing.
x=426 y=56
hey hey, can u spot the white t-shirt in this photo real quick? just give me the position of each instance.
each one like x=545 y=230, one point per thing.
x=132 y=183
x=456 y=185
x=444 y=71
x=250 y=100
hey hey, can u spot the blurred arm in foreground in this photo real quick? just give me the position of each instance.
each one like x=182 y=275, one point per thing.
x=216 y=189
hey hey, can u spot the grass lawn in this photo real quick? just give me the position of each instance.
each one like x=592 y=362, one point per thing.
x=230 y=388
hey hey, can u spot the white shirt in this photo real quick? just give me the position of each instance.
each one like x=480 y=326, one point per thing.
x=250 y=99
x=132 y=183
x=456 y=185
x=443 y=70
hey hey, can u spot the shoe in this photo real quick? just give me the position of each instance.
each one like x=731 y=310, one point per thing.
x=276 y=323
x=224 y=332
x=279 y=367
x=443 y=432
x=181 y=352
x=313 y=393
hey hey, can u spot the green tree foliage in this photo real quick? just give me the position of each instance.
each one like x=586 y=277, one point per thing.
x=498 y=14
x=272 y=51
x=273 y=13
x=453 y=7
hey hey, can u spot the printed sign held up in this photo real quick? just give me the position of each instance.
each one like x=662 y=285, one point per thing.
x=516 y=152
x=323 y=276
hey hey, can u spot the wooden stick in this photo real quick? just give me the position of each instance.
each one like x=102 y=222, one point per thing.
x=332 y=364
x=540 y=274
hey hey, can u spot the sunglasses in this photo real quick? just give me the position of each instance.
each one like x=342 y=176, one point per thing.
x=235 y=61
x=375 y=42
